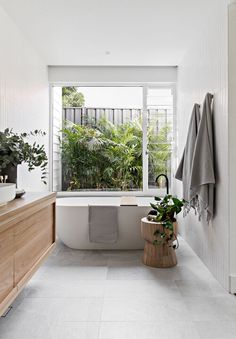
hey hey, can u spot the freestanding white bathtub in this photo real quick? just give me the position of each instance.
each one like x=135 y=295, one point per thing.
x=73 y=229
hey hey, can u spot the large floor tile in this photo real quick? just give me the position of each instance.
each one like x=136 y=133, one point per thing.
x=27 y=321
x=199 y=288
x=75 y=330
x=33 y=329
x=66 y=258
x=130 y=272
x=216 y=329
x=138 y=271
x=78 y=309
x=211 y=308
x=143 y=309
x=178 y=272
x=115 y=258
x=148 y=330
x=72 y=273
x=55 y=310
x=32 y=308
x=68 y=289
x=141 y=289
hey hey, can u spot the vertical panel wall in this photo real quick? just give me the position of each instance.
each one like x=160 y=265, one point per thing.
x=205 y=69
x=24 y=104
x=232 y=143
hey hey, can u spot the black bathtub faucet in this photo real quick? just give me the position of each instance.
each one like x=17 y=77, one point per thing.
x=167 y=181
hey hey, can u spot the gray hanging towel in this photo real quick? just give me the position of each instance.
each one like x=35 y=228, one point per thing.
x=184 y=170
x=103 y=224
x=202 y=175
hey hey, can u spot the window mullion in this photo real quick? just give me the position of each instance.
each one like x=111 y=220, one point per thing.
x=145 y=141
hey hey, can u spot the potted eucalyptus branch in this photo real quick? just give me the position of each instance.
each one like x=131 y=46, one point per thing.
x=159 y=230
x=15 y=150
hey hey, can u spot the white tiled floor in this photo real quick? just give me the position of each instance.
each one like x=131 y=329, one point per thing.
x=111 y=295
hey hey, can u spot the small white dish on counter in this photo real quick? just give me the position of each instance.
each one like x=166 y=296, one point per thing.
x=7 y=193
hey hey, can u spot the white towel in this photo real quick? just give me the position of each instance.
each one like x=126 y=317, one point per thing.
x=202 y=181
x=103 y=224
x=185 y=167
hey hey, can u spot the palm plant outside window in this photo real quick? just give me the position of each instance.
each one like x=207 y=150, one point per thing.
x=116 y=148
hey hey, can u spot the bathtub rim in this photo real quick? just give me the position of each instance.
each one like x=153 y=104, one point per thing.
x=160 y=192
x=86 y=204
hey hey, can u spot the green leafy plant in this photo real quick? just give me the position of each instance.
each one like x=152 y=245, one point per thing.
x=15 y=150
x=164 y=212
x=159 y=150
x=72 y=98
x=106 y=156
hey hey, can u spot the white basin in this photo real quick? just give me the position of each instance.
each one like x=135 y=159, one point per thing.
x=7 y=193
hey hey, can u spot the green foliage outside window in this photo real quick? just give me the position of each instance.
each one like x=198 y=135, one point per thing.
x=72 y=98
x=105 y=156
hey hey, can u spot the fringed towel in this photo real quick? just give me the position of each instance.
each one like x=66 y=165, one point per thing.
x=184 y=170
x=202 y=179
x=103 y=224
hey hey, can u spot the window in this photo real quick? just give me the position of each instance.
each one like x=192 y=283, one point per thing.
x=159 y=133
x=111 y=138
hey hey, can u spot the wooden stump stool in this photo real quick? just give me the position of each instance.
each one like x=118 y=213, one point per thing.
x=162 y=255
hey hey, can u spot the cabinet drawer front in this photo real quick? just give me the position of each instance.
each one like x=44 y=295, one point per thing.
x=6 y=263
x=37 y=235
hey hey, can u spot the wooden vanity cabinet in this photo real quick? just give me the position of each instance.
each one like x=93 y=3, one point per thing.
x=27 y=236
x=6 y=263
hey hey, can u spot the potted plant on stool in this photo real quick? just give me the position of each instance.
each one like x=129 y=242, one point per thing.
x=159 y=229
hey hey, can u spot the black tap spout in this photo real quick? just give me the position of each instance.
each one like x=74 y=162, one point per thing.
x=167 y=181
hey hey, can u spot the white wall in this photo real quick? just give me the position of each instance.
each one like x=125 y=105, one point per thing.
x=109 y=74
x=204 y=69
x=232 y=142
x=24 y=104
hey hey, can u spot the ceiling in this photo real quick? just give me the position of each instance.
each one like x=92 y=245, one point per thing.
x=110 y=32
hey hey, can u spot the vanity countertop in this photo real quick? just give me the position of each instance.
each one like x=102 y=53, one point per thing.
x=21 y=205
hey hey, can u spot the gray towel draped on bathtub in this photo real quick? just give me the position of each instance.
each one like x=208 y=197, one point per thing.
x=103 y=224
